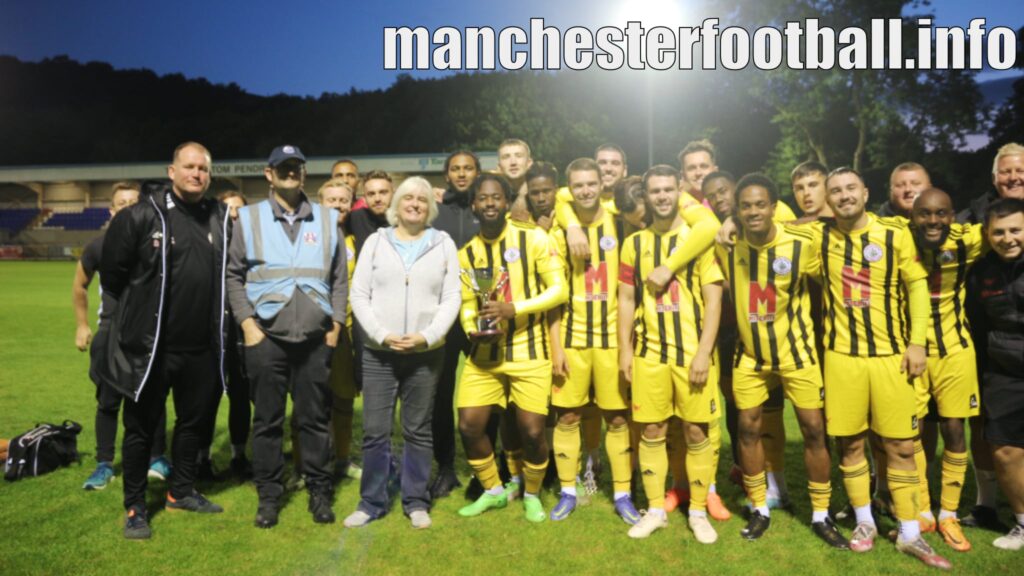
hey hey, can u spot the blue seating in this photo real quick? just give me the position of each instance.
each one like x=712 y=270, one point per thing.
x=87 y=219
x=16 y=219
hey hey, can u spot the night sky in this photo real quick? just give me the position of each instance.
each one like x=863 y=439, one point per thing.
x=308 y=47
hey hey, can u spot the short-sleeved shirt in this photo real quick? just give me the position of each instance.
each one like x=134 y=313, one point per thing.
x=523 y=253
x=669 y=326
x=92 y=256
x=864 y=274
x=771 y=297
x=589 y=318
x=947 y=267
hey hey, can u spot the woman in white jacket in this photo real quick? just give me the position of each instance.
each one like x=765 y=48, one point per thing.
x=405 y=295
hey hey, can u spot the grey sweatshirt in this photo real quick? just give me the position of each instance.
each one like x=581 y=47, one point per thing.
x=387 y=299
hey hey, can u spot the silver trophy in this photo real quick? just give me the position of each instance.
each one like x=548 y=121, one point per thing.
x=487 y=283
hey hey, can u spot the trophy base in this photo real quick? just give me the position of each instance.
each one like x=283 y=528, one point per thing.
x=487 y=333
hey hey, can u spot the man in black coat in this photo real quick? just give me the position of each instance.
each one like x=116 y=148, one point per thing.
x=163 y=264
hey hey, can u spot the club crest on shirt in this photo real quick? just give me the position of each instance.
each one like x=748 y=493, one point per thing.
x=607 y=243
x=872 y=252
x=782 y=265
x=512 y=254
x=946 y=256
x=309 y=238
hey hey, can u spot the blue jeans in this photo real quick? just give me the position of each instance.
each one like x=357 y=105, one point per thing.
x=388 y=377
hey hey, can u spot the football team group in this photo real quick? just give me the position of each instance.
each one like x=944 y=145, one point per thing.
x=645 y=311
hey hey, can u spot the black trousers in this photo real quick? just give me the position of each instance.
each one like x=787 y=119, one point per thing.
x=443 y=424
x=274 y=369
x=239 y=402
x=191 y=377
x=108 y=407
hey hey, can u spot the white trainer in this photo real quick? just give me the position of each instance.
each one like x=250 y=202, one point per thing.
x=703 y=530
x=648 y=523
x=1014 y=539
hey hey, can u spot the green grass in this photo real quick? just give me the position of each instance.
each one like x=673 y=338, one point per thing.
x=49 y=525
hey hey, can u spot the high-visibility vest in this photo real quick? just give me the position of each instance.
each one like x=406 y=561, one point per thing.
x=276 y=266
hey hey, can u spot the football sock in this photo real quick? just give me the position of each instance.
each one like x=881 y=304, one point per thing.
x=620 y=495
x=698 y=469
x=756 y=487
x=904 y=485
x=567 y=452
x=819 y=515
x=715 y=436
x=486 y=471
x=676 y=449
x=857 y=480
x=954 y=471
x=821 y=495
x=909 y=530
x=533 y=476
x=342 y=412
x=653 y=469
x=569 y=490
x=616 y=443
x=924 y=500
x=863 y=514
x=986 y=481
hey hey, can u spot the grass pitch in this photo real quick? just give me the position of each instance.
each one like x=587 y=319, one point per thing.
x=49 y=525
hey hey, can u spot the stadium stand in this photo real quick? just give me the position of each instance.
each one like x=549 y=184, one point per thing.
x=16 y=219
x=87 y=219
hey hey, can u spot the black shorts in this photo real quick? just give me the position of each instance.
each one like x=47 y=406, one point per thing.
x=1003 y=404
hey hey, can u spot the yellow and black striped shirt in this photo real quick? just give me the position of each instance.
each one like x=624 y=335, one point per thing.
x=667 y=327
x=947 y=267
x=525 y=254
x=770 y=293
x=864 y=274
x=589 y=318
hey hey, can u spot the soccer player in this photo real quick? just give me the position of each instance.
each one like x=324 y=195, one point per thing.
x=697 y=160
x=584 y=350
x=869 y=362
x=719 y=189
x=629 y=203
x=808 y=182
x=947 y=251
x=541 y=187
x=514 y=366
x=768 y=272
x=671 y=366
x=338 y=194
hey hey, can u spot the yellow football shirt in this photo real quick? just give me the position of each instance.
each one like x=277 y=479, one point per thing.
x=589 y=317
x=523 y=253
x=770 y=293
x=864 y=274
x=947 y=267
x=668 y=327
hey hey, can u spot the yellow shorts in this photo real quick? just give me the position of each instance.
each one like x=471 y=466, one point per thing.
x=343 y=383
x=863 y=390
x=803 y=386
x=526 y=383
x=661 y=391
x=591 y=367
x=953 y=382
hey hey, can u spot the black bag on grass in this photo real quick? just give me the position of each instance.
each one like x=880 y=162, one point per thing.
x=42 y=449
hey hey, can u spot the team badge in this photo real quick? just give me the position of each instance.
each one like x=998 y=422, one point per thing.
x=946 y=256
x=157 y=236
x=872 y=252
x=289 y=149
x=782 y=265
x=607 y=243
x=309 y=238
x=349 y=253
x=512 y=254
